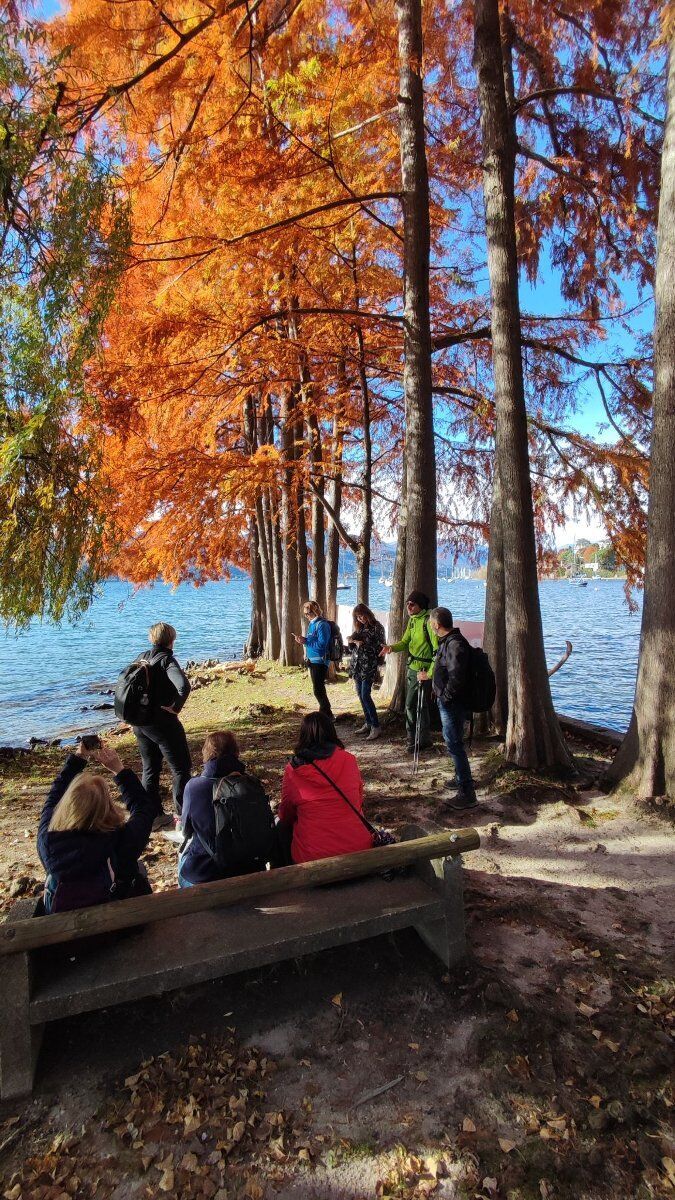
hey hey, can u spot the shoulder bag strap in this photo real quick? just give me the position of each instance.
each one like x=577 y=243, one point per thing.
x=366 y=822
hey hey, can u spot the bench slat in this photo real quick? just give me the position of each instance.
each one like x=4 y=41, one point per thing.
x=123 y=914
x=186 y=950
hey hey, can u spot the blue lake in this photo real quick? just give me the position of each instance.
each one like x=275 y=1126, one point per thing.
x=50 y=676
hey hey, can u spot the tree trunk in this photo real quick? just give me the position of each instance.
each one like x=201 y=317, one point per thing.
x=272 y=642
x=420 y=553
x=334 y=496
x=263 y=591
x=254 y=647
x=363 y=553
x=646 y=759
x=494 y=639
x=393 y=685
x=291 y=652
x=533 y=736
x=318 y=520
x=303 y=555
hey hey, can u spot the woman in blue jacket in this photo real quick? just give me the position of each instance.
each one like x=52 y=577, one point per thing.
x=88 y=845
x=317 y=646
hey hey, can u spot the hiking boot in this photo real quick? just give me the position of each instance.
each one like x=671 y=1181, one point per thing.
x=465 y=797
x=363 y=728
x=374 y=734
x=162 y=821
x=410 y=747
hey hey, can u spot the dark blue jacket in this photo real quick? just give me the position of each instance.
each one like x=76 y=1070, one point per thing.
x=197 y=866
x=77 y=853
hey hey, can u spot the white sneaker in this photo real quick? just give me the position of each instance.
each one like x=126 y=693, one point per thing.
x=374 y=734
x=363 y=729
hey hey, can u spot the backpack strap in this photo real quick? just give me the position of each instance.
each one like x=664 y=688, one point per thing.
x=364 y=820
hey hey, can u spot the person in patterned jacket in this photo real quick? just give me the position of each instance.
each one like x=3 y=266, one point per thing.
x=366 y=644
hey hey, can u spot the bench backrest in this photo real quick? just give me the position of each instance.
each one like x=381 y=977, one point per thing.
x=29 y=934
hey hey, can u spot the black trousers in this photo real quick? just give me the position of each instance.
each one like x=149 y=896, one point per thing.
x=164 y=741
x=319 y=674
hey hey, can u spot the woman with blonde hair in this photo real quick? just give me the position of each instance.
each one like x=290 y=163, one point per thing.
x=317 y=649
x=88 y=844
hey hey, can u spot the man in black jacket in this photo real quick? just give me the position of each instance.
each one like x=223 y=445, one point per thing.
x=450 y=683
x=164 y=738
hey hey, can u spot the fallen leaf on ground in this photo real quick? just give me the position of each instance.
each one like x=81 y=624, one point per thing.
x=506 y=1145
x=586 y=1010
x=468 y=1125
x=337 y=1000
x=512 y=1015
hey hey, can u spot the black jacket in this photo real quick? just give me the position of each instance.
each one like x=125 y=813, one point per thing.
x=451 y=668
x=170 y=685
x=78 y=854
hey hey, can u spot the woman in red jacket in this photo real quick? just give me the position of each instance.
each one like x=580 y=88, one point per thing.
x=312 y=810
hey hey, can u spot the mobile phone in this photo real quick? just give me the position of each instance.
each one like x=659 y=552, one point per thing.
x=91 y=741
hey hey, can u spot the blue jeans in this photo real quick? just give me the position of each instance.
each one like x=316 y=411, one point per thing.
x=182 y=881
x=363 y=690
x=453 y=716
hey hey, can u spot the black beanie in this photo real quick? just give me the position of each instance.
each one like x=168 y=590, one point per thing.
x=418 y=598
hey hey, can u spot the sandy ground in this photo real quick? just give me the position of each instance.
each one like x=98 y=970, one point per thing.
x=538 y=1068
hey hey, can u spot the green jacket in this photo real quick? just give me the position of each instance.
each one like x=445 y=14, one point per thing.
x=419 y=640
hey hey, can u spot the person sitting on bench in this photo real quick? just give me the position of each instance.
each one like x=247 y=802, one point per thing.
x=88 y=845
x=320 y=785
x=226 y=819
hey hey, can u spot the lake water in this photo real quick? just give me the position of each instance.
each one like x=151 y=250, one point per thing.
x=51 y=676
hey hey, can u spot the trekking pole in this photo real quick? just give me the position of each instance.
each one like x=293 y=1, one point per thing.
x=418 y=721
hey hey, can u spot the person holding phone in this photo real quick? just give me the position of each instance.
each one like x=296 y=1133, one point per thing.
x=317 y=648
x=88 y=843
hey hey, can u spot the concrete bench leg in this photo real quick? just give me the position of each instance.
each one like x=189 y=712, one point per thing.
x=19 y=1041
x=446 y=936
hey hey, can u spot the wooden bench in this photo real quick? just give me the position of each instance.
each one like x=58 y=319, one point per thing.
x=191 y=935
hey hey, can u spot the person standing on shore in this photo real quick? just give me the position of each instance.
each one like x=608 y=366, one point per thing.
x=163 y=737
x=450 y=683
x=420 y=643
x=317 y=649
x=366 y=643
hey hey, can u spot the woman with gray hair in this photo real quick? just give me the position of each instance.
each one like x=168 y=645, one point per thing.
x=162 y=738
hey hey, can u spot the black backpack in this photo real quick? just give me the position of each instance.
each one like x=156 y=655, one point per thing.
x=336 y=646
x=243 y=822
x=134 y=693
x=481 y=685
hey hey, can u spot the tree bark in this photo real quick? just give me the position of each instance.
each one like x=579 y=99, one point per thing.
x=318 y=519
x=363 y=553
x=255 y=644
x=291 y=652
x=645 y=761
x=420 y=551
x=263 y=590
x=533 y=736
x=494 y=639
x=393 y=685
x=334 y=496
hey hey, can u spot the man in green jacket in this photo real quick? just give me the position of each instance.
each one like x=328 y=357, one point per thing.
x=420 y=644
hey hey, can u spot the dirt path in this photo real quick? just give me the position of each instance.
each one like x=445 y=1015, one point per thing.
x=537 y=1069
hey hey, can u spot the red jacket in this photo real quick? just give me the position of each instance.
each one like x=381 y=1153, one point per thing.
x=323 y=823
